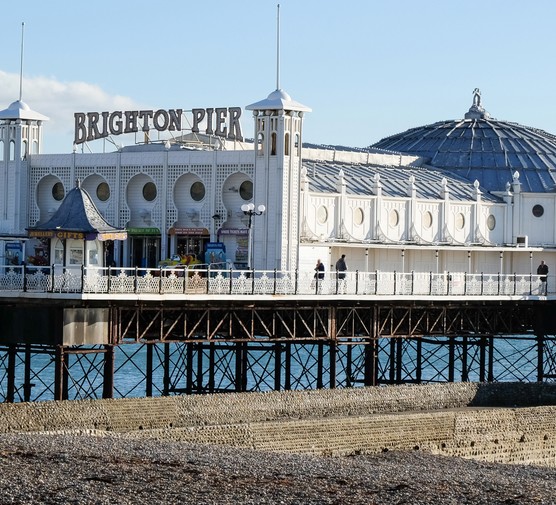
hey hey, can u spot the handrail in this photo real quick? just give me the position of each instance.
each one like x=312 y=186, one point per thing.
x=134 y=280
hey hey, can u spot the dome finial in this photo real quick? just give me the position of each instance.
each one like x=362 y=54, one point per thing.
x=477 y=111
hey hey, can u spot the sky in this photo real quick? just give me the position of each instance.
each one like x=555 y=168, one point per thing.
x=367 y=68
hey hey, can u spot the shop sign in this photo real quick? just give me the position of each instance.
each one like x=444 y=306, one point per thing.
x=143 y=231
x=233 y=231
x=188 y=231
x=116 y=235
x=77 y=235
x=219 y=121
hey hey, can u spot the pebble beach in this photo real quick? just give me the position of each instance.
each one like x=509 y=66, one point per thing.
x=85 y=469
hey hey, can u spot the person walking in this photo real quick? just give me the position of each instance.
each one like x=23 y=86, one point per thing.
x=341 y=267
x=542 y=270
x=319 y=270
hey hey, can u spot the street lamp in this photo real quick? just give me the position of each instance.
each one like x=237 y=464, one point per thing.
x=249 y=210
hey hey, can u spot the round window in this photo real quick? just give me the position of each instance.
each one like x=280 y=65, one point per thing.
x=393 y=218
x=427 y=219
x=246 y=190
x=103 y=191
x=58 y=191
x=149 y=191
x=322 y=214
x=197 y=191
x=460 y=221
x=538 y=210
x=491 y=222
x=358 y=216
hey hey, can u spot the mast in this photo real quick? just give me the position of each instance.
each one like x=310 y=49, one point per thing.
x=278 y=47
x=21 y=64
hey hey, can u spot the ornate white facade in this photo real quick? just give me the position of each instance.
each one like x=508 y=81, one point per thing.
x=385 y=210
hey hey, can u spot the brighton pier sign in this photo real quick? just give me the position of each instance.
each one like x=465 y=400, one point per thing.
x=220 y=121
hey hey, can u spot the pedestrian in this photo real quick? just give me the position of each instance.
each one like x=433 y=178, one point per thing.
x=341 y=267
x=319 y=270
x=542 y=270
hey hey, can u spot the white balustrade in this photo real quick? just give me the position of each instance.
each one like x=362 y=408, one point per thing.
x=77 y=279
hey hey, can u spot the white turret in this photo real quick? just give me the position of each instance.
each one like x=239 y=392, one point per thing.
x=278 y=134
x=20 y=136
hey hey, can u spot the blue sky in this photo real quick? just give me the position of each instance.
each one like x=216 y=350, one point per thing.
x=367 y=68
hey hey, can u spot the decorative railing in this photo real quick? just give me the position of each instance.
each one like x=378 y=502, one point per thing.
x=79 y=279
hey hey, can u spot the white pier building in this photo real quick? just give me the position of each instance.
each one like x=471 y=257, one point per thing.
x=474 y=195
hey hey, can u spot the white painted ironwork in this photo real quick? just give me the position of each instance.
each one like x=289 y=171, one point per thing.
x=130 y=281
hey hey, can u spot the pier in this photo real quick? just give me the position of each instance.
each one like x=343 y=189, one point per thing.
x=77 y=333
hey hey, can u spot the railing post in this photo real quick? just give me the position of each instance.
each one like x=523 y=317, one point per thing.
x=498 y=282
x=395 y=279
x=274 y=292
x=464 y=283
x=412 y=281
x=449 y=278
x=515 y=283
x=109 y=282
x=208 y=281
x=135 y=282
x=317 y=283
x=376 y=282
x=231 y=280
x=530 y=284
x=52 y=278
x=253 y=281
x=296 y=284
x=82 y=279
x=482 y=283
x=357 y=282
x=159 y=280
x=24 y=277
x=430 y=282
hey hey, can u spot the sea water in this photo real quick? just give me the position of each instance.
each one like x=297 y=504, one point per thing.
x=512 y=359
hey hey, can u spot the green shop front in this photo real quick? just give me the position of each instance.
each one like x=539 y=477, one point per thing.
x=143 y=247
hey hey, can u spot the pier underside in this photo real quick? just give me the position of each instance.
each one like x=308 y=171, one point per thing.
x=81 y=349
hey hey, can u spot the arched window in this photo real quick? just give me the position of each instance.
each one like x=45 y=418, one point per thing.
x=24 y=149
x=273 y=144
x=287 y=144
x=1 y=150
x=260 y=144
x=12 y=150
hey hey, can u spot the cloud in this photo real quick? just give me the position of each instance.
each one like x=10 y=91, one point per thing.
x=60 y=100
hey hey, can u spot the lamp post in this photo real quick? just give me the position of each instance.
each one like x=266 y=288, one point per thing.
x=249 y=210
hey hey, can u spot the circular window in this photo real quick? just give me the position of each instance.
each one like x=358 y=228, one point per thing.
x=491 y=222
x=322 y=214
x=246 y=190
x=393 y=218
x=58 y=191
x=149 y=191
x=103 y=191
x=427 y=219
x=460 y=221
x=358 y=216
x=538 y=210
x=197 y=191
